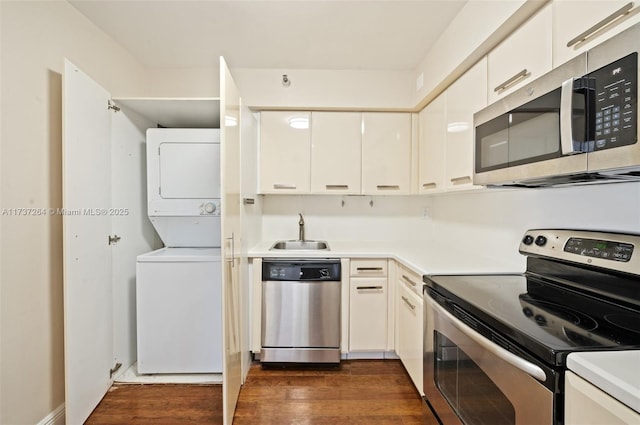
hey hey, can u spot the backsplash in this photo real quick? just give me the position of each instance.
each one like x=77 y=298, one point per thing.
x=492 y=219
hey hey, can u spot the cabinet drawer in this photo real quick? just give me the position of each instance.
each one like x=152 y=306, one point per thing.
x=410 y=279
x=369 y=268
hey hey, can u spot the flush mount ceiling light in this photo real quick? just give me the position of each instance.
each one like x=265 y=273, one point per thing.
x=300 y=123
x=230 y=121
x=457 y=127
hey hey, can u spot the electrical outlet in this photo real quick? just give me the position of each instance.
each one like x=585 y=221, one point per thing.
x=425 y=213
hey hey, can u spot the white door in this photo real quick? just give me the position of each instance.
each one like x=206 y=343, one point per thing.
x=88 y=309
x=231 y=230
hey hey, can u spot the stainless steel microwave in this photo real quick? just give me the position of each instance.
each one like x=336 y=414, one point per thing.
x=574 y=125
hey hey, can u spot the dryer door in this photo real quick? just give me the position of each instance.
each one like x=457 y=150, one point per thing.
x=189 y=170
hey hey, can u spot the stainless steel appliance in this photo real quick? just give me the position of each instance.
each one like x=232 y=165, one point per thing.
x=301 y=311
x=496 y=345
x=575 y=124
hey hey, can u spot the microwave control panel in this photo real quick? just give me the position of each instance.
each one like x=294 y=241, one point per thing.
x=616 y=103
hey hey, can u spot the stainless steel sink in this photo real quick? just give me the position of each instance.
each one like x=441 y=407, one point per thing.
x=300 y=245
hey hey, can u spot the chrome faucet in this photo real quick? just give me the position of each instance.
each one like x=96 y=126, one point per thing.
x=301 y=228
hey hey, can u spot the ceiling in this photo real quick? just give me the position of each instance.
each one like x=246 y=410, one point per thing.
x=296 y=34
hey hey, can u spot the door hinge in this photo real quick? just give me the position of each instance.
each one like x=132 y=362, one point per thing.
x=114 y=370
x=111 y=105
x=114 y=239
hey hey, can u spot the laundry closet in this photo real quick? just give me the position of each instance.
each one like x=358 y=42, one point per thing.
x=133 y=230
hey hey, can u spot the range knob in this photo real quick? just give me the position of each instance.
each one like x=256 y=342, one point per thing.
x=540 y=320
x=528 y=240
x=541 y=241
x=209 y=207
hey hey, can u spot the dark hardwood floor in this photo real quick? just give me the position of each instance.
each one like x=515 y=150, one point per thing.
x=371 y=392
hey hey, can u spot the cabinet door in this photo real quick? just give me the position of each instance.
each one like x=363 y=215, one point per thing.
x=285 y=152
x=88 y=289
x=368 y=314
x=432 y=125
x=522 y=57
x=232 y=236
x=586 y=404
x=576 y=29
x=464 y=98
x=336 y=140
x=386 y=153
x=409 y=332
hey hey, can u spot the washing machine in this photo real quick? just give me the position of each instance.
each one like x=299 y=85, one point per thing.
x=178 y=287
x=179 y=310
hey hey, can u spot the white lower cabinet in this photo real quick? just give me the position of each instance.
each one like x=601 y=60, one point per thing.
x=368 y=305
x=409 y=324
x=585 y=404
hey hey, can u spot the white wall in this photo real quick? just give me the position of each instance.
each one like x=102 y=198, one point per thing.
x=491 y=220
x=356 y=89
x=391 y=218
x=35 y=37
x=496 y=219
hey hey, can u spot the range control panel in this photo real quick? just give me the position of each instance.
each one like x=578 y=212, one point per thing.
x=597 y=248
x=613 y=251
x=616 y=103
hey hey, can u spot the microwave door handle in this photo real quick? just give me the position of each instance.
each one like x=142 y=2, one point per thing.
x=567 y=142
x=517 y=362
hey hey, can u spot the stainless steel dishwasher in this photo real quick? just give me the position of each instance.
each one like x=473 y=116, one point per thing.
x=300 y=311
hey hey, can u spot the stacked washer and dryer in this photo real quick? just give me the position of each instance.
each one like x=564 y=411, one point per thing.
x=178 y=288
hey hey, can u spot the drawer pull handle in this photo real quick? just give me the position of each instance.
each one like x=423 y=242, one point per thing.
x=406 y=301
x=603 y=23
x=369 y=269
x=284 y=186
x=429 y=185
x=359 y=288
x=337 y=186
x=513 y=80
x=388 y=187
x=461 y=180
x=407 y=279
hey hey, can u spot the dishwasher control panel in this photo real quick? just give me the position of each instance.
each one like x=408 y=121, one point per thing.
x=299 y=270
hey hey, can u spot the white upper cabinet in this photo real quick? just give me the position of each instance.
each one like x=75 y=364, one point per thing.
x=465 y=97
x=522 y=57
x=578 y=26
x=432 y=135
x=386 y=153
x=336 y=148
x=285 y=152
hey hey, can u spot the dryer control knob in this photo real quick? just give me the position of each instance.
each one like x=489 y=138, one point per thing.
x=209 y=207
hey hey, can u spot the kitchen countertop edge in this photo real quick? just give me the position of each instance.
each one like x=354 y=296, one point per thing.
x=606 y=370
x=424 y=258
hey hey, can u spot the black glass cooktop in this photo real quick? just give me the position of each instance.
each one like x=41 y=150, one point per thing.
x=547 y=319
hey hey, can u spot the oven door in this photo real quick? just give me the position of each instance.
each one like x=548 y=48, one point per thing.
x=471 y=380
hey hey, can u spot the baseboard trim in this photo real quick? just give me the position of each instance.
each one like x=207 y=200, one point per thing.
x=54 y=418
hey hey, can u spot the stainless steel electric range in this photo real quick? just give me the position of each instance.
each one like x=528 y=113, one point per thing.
x=495 y=346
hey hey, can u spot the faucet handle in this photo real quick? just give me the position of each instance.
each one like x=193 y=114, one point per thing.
x=301 y=219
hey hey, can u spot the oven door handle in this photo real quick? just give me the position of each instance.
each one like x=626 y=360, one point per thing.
x=507 y=356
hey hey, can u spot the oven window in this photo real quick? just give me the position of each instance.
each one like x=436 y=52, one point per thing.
x=469 y=391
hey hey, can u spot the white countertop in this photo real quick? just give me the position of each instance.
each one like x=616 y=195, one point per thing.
x=615 y=372
x=424 y=257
